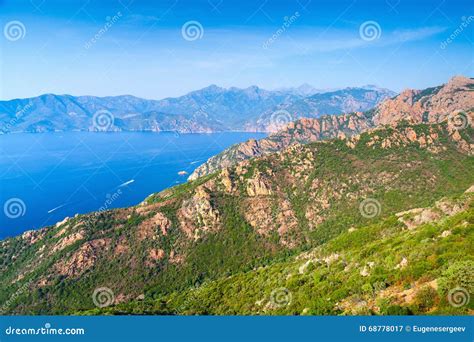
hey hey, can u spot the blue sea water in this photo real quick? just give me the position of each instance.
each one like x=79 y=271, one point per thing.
x=47 y=177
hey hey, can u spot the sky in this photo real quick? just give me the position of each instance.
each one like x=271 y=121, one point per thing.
x=166 y=48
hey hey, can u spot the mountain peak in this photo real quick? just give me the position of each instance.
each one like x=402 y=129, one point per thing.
x=252 y=88
x=431 y=105
x=428 y=105
x=213 y=88
x=460 y=80
x=307 y=89
x=371 y=87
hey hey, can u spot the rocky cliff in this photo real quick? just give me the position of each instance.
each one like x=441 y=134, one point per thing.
x=243 y=219
x=453 y=101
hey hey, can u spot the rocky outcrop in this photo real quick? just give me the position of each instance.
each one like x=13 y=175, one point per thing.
x=32 y=236
x=452 y=102
x=68 y=240
x=430 y=105
x=149 y=228
x=424 y=138
x=198 y=215
x=83 y=259
x=302 y=131
x=258 y=186
x=156 y=254
x=265 y=220
x=442 y=208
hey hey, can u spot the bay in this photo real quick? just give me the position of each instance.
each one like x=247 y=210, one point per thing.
x=49 y=176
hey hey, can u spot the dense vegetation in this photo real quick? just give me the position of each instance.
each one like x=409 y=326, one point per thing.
x=240 y=245
x=320 y=285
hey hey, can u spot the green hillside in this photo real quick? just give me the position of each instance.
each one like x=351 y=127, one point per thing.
x=223 y=243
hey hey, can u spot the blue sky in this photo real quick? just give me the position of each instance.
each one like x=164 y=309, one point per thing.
x=143 y=51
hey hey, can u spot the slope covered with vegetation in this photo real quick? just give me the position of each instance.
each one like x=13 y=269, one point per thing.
x=379 y=268
x=240 y=233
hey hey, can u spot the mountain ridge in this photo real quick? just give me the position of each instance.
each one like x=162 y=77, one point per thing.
x=356 y=223
x=430 y=105
x=243 y=217
x=211 y=109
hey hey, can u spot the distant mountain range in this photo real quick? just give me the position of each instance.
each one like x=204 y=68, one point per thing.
x=380 y=222
x=431 y=105
x=211 y=109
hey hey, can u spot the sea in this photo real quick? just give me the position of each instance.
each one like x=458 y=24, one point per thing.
x=45 y=177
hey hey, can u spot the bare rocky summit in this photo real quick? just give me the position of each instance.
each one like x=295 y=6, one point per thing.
x=429 y=105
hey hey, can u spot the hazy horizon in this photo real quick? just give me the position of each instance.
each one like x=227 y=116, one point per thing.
x=211 y=85
x=170 y=48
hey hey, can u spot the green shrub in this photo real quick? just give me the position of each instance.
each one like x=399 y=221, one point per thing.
x=459 y=274
x=397 y=310
x=426 y=298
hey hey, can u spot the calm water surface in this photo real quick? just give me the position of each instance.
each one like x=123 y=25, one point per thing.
x=46 y=177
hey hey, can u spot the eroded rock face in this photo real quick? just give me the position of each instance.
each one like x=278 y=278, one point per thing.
x=259 y=215
x=149 y=228
x=258 y=186
x=432 y=105
x=418 y=216
x=227 y=181
x=122 y=247
x=32 y=236
x=197 y=215
x=83 y=259
x=462 y=144
x=68 y=240
x=301 y=131
x=425 y=139
x=267 y=215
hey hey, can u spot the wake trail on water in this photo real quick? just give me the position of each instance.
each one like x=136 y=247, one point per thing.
x=126 y=183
